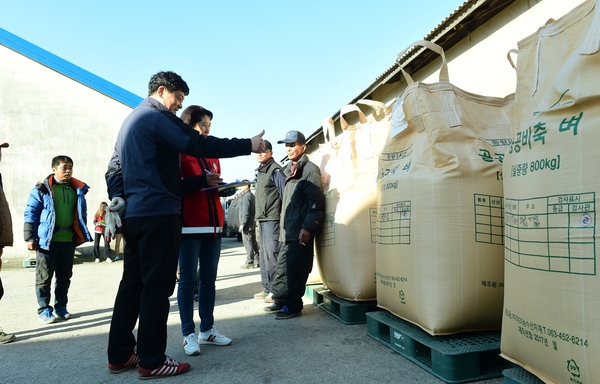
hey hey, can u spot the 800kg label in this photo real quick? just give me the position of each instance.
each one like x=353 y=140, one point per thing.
x=551 y=164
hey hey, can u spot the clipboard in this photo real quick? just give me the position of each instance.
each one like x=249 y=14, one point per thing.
x=234 y=184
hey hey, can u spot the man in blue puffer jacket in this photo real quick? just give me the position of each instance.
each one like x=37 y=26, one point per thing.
x=55 y=223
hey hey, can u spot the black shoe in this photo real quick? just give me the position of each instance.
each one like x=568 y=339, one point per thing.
x=285 y=313
x=272 y=308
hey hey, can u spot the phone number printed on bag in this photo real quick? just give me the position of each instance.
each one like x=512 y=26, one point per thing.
x=540 y=333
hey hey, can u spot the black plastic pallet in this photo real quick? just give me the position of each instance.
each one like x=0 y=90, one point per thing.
x=518 y=375
x=348 y=312
x=457 y=358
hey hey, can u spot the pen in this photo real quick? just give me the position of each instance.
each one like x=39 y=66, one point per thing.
x=207 y=172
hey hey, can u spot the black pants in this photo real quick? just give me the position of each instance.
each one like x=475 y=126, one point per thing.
x=97 y=237
x=294 y=264
x=149 y=269
x=55 y=263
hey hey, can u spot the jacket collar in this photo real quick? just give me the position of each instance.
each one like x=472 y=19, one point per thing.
x=301 y=161
x=298 y=167
x=153 y=103
x=75 y=183
x=265 y=166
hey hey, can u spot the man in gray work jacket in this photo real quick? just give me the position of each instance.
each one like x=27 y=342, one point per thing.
x=270 y=182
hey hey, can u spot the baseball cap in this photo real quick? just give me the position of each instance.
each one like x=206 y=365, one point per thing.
x=268 y=145
x=292 y=137
x=4 y=145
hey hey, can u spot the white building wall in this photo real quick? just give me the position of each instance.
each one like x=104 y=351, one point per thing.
x=44 y=114
x=482 y=66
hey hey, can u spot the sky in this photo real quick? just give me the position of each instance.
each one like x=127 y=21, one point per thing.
x=263 y=64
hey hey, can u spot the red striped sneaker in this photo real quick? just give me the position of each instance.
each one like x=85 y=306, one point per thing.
x=169 y=368
x=130 y=363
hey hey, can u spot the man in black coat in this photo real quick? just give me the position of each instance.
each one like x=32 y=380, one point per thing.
x=302 y=212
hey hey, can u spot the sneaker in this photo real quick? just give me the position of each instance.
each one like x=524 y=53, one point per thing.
x=286 y=313
x=130 y=363
x=108 y=259
x=272 y=308
x=261 y=295
x=47 y=317
x=6 y=337
x=213 y=337
x=62 y=313
x=269 y=299
x=169 y=368
x=247 y=266
x=190 y=345
x=97 y=260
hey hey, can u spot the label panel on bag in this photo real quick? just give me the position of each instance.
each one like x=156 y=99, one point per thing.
x=489 y=219
x=552 y=233
x=393 y=223
x=326 y=236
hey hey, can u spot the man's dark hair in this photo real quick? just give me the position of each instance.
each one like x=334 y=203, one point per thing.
x=194 y=113
x=170 y=80
x=61 y=159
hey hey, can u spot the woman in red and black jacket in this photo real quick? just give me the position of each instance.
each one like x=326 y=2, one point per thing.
x=203 y=218
x=99 y=225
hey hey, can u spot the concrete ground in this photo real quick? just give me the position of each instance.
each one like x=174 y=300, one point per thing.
x=315 y=348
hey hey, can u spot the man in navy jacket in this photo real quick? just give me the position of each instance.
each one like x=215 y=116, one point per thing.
x=143 y=181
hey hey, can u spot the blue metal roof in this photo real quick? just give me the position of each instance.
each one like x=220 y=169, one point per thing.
x=68 y=69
